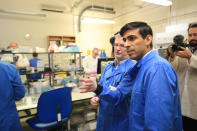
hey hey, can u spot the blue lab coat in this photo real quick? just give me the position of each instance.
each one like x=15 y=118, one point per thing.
x=11 y=89
x=155 y=102
x=113 y=118
x=33 y=63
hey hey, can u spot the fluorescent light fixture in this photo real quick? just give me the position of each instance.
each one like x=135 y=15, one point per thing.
x=160 y=2
x=178 y=27
x=22 y=13
x=94 y=20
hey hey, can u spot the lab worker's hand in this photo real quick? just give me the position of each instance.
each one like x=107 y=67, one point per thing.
x=95 y=102
x=88 y=86
x=172 y=54
x=166 y=54
x=184 y=53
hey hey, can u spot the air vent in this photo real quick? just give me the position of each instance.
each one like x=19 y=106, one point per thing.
x=53 y=8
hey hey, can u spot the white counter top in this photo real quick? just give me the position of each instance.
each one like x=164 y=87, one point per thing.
x=30 y=102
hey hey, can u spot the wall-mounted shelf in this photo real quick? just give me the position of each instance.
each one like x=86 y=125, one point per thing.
x=61 y=39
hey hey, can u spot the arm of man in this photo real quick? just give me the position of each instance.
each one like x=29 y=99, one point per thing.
x=117 y=95
x=184 y=53
x=18 y=87
x=192 y=59
x=162 y=103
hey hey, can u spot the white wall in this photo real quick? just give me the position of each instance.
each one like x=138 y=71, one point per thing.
x=158 y=17
x=14 y=27
x=94 y=35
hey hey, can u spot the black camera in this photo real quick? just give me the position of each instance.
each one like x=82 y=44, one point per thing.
x=178 y=42
x=176 y=47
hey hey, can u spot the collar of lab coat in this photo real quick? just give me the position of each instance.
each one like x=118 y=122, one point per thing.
x=133 y=71
x=146 y=58
x=113 y=71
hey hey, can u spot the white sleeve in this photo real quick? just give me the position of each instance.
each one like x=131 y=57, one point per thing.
x=22 y=61
x=193 y=61
x=174 y=63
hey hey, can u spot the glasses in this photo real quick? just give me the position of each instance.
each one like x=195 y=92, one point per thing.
x=130 y=38
x=119 y=45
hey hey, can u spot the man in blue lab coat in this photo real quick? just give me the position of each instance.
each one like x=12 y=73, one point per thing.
x=113 y=118
x=152 y=84
x=11 y=89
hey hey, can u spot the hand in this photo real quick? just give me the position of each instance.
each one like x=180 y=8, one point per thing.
x=89 y=85
x=95 y=102
x=166 y=54
x=184 y=53
x=172 y=54
x=170 y=49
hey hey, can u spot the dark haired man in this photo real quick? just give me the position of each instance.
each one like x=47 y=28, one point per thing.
x=185 y=64
x=152 y=84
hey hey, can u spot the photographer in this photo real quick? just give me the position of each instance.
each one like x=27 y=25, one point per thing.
x=184 y=61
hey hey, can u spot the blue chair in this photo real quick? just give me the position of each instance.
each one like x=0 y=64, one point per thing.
x=54 y=109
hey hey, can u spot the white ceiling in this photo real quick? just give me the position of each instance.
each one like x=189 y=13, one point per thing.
x=121 y=7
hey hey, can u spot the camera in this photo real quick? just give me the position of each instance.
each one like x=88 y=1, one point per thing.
x=178 y=42
x=176 y=47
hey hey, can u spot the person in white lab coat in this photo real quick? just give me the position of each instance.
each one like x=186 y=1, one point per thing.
x=90 y=62
x=19 y=59
x=185 y=64
x=13 y=47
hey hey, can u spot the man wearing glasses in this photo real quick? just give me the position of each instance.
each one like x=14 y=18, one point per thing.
x=112 y=118
x=185 y=64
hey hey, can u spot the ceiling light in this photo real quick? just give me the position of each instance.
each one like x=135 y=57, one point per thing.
x=159 y=2
x=175 y=28
x=22 y=13
x=94 y=20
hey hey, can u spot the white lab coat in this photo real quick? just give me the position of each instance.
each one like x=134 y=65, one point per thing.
x=187 y=74
x=90 y=64
x=22 y=59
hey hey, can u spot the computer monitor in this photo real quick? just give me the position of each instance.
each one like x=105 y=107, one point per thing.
x=102 y=62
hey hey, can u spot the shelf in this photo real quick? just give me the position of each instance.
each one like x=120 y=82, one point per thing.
x=61 y=39
x=66 y=41
x=42 y=72
x=39 y=52
x=51 y=58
